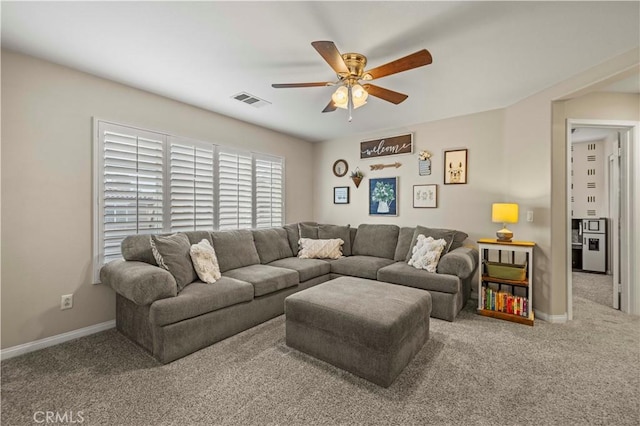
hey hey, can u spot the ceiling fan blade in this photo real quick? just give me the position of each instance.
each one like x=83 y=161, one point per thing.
x=415 y=60
x=289 y=85
x=330 y=53
x=386 y=94
x=331 y=106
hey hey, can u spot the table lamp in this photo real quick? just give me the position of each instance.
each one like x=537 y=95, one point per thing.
x=504 y=213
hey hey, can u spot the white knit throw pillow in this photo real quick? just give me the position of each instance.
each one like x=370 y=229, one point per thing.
x=205 y=262
x=426 y=253
x=320 y=249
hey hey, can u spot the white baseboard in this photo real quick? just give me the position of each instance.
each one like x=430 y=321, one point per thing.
x=55 y=340
x=550 y=318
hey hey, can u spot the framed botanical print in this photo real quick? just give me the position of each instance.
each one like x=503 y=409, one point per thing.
x=425 y=196
x=455 y=167
x=340 y=195
x=383 y=196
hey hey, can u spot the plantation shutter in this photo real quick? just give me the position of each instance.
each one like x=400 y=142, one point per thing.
x=235 y=202
x=269 y=191
x=192 y=187
x=132 y=190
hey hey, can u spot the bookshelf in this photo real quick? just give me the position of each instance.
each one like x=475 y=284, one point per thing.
x=500 y=296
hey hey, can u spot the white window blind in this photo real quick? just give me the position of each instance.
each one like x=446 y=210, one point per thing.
x=192 y=187
x=132 y=186
x=235 y=193
x=269 y=191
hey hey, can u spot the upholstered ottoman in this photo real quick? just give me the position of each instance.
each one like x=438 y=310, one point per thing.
x=369 y=328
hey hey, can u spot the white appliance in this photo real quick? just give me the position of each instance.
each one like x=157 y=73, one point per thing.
x=594 y=245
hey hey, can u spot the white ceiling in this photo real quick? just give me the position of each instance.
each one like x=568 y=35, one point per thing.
x=589 y=134
x=486 y=55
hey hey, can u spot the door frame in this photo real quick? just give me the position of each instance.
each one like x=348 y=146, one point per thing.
x=630 y=247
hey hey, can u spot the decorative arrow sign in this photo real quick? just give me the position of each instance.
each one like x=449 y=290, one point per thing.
x=384 y=166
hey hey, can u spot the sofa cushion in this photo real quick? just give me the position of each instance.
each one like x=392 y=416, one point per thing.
x=308 y=230
x=461 y=262
x=293 y=234
x=172 y=254
x=401 y=273
x=404 y=243
x=138 y=247
x=264 y=278
x=376 y=240
x=326 y=232
x=271 y=244
x=307 y=268
x=199 y=298
x=436 y=233
x=235 y=249
x=458 y=240
x=205 y=261
x=359 y=266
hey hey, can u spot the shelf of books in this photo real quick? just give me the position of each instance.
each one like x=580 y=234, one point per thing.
x=504 y=289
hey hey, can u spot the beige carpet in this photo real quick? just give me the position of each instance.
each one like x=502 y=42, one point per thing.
x=476 y=370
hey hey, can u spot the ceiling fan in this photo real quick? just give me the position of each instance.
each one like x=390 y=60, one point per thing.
x=349 y=68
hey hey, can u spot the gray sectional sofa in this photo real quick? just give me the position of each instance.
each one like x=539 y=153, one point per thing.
x=259 y=270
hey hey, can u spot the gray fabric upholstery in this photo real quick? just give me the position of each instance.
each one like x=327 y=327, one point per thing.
x=359 y=266
x=350 y=322
x=293 y=235
x=461 y=262
x=458 y=240
x=199 y=298
x=326 y=232
x=308 y=230
x=235 y=249
x=264 y=278
x=139 y=282
x=376 y=240
x=172 y=253
x=272 y=244
x=307 y=268
x=132 y=320
x=446 y=234
x=404 y=243
x=138 y=248
x=402 y=273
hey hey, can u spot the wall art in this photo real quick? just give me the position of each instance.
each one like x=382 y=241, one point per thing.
x=340 y=195
x=425 y=196
x=455 y=166
x=383 y=196
x=402 y=144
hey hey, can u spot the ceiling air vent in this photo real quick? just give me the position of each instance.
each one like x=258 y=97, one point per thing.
x=250 y=99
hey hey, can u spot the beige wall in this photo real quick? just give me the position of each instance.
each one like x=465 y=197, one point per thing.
x=465 y=207
x=46 y=182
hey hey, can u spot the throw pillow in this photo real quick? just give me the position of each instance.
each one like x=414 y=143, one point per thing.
x=308 y=231
x=458 y=240
x=172 y=253
x=327 y=232
x=426 y=253
x=437 y=234
x=205 y=262
x=320 y=249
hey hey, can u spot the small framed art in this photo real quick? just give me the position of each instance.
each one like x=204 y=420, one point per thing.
x=340 y=195
x=455 y=166
x=383 y=196
x=425 y=196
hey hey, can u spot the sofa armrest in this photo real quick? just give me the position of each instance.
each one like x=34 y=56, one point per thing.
x=139 y=282
x=461 y=262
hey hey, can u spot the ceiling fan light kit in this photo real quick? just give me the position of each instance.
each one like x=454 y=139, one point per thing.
x=349 y=68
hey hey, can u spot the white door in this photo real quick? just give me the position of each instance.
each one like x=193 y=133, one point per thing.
x=614 y=225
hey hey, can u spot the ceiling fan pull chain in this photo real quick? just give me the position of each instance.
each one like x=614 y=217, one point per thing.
x=350 y=101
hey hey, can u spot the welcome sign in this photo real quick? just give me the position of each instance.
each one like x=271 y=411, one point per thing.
x=402 y=144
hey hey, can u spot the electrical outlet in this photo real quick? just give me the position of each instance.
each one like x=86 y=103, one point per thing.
x=530 y=216
x=66 y=302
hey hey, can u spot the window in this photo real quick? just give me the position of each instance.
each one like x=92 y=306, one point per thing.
x=150 y=182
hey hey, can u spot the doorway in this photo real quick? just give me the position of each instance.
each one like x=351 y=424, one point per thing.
x=600 y=210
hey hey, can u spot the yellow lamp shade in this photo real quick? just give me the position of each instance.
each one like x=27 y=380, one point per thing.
x=504 y=213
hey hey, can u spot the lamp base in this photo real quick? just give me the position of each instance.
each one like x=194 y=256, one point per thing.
x=504 y=235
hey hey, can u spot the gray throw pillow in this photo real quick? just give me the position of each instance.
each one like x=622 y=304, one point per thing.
x=308 y=231
x=458 y=239
x=172 y=253
x=327 y=232
x=446 y=234
x=272 y=244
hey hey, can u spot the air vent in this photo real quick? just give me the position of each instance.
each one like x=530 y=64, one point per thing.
x=591 y=212
x=591 y=158
x=250 y=99
x=591 y=185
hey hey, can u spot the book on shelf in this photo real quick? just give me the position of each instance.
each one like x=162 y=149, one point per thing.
x=504 y=301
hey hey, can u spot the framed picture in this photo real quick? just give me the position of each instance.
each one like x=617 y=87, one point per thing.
x=425 y=196
x=383 y=196
x=340 y=195
x=455 y=167
x=395 y=145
